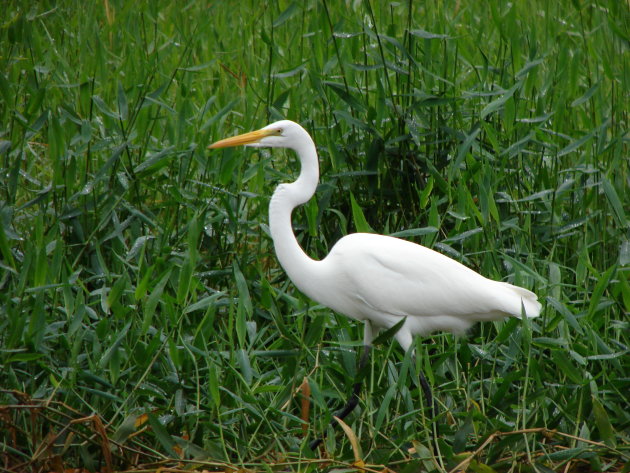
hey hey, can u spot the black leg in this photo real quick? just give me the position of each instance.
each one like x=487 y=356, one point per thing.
x=354 y=397
x=428 y=395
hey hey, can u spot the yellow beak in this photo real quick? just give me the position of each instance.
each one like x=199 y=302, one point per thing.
x=244 y=139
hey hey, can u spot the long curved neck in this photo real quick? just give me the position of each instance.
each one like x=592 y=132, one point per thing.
x=285 y=198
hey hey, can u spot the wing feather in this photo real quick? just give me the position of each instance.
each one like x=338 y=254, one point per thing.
x=401 y=278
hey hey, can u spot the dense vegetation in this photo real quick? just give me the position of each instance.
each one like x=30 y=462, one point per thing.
x=144 y=319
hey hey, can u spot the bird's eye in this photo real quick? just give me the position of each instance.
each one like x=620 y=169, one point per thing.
x=279 y=132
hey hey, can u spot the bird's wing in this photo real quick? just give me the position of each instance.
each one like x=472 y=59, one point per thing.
x=401 y=278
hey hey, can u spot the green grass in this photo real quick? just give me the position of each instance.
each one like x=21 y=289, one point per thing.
x=143 y=315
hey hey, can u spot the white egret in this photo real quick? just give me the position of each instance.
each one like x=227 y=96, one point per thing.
x=377 y=279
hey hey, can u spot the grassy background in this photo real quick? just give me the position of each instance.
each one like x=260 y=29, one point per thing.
x=143 y=315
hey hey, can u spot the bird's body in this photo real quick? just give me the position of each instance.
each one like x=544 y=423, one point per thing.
x=378 y=279
x=402 y=280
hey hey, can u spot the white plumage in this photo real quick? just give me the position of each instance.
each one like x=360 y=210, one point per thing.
x=405 y=280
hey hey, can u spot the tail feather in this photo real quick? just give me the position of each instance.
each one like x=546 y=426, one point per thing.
x=527 y=300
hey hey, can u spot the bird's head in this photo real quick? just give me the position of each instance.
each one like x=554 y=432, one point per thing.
x=282 y=134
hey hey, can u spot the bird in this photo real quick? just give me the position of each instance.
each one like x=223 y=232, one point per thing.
x=380 y=280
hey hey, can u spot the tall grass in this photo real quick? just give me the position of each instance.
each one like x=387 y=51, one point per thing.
x=143 y=315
